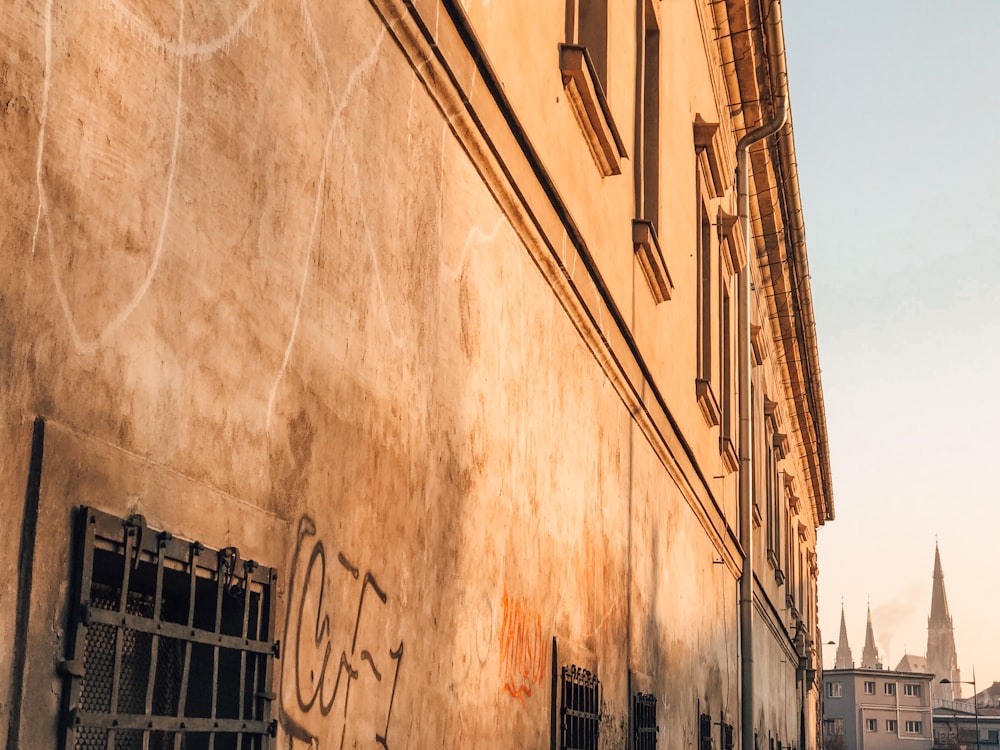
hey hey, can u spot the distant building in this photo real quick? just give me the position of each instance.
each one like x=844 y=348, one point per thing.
x=845 y=660
x=876 y=709
x=990 y=697
x=912 y=663
x=942 y=660
x=869 y=654
x=961 y=725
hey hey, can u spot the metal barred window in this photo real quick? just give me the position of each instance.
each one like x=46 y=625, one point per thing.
x=705 y=732
x=581 y=709
x=170 y=644
x=644 y=721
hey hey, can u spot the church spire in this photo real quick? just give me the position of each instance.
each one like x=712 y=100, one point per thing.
x=939 y=601
x=844 y=658
x=869 y=656
x=942 y=659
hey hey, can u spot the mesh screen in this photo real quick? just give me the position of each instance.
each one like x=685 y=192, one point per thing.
x=99 y=667
x=91 y=738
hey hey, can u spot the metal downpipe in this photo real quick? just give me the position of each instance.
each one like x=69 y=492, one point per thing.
x=776 y=51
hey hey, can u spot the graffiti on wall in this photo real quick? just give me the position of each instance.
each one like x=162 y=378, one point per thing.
x=335 y=655
x=523 y=649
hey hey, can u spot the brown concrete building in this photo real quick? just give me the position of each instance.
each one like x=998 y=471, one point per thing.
x=401 y=374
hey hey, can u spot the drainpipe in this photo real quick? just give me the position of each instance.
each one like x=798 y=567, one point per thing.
x=775 y=47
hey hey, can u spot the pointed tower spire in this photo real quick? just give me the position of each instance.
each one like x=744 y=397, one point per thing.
x=844 y=658
x=942 y=660
x=869 y=656
x=939 y=600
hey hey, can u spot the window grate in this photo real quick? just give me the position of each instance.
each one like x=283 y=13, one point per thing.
x=644 y=721
x=581 y=709
x=705 y=732
x=170 y=643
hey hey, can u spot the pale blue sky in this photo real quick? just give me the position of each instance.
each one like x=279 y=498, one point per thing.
x=896 y=110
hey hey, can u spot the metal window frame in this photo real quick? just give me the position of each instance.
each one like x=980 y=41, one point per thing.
x=133 y=543
x=580 y=711
x=644 y=728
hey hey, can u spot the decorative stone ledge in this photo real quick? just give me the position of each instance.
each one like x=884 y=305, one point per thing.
x=705 y=148
x=728 y=228
x=771 y=413
x=708 y=402
x=591 y=108
x=790 y=493
x=727 y=449
x=650 y=257
x=757 y=343
x=780 y=442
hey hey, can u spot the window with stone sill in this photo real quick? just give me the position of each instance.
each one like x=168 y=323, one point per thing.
x=647 y=164
x=777 y=511
x=732 y=261
x=707 y=365
x=709 y=188
x=583 y=61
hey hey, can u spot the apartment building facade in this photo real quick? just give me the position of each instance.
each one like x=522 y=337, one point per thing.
x=877 y=709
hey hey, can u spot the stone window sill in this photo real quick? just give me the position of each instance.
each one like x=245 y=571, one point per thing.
x=650 y=257
x=727 y=450
x=591 y=108
x=708 y=402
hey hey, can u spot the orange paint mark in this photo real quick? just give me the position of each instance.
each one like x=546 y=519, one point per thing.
x=523 y=649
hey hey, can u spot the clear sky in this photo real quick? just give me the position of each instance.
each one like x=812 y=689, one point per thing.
x=896 y=108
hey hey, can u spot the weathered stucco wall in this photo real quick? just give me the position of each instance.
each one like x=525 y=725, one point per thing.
x=261 y=292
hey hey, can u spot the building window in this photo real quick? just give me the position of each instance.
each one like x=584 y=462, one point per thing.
x=869 y=687
x=837 y=726
x=706 y=384
x=914 y=727
x=727 y=358
x=648 y=193
x=581 y=709
x=644 y=721
x=705 y=733
x=890 y=725
x=834 y=689
x=871 y=725
x=778 y=528
x=587 y=26
x=584 y=66
x=170 y=642
x=890 y=688
x=911 y=689
x=647 y=163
